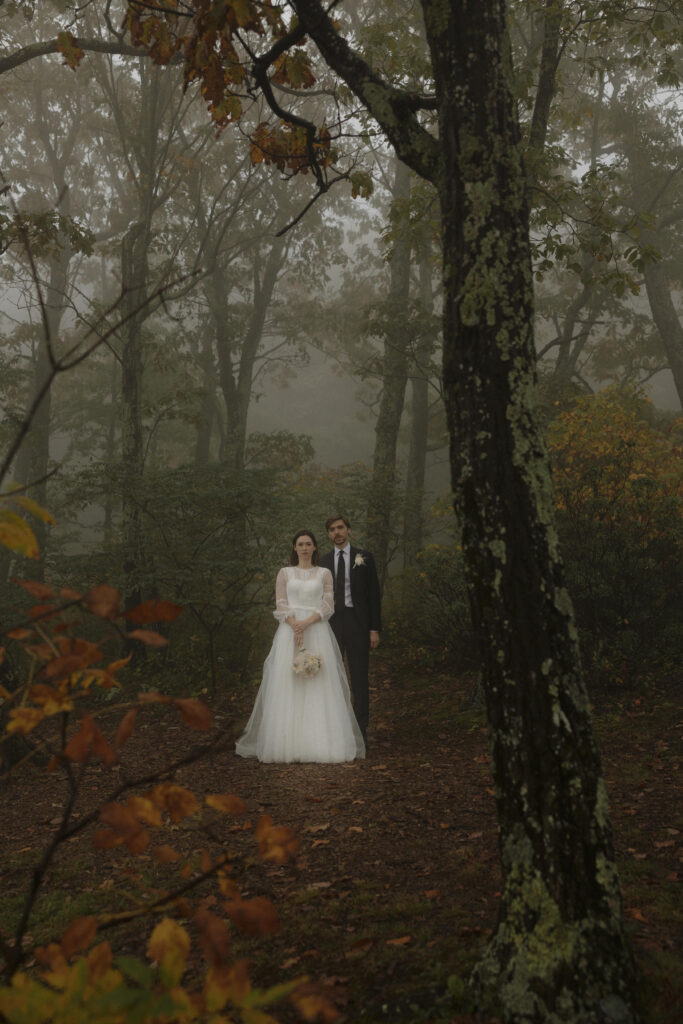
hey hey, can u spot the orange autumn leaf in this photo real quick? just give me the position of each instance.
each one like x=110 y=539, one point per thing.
x=314 y=1005
x=154 y=611
x=195 y=714
x=637 y=914
x=137 y=842
x=102 y=749
x=106 y=839
x=149 y=637
x=99 y=961
x=228 y=803
x=165 y=854
x=60 y=668
x=118 y=816
x=41 y=591
x=154 y=697
x=178 y=801
x=78 y=747
x=78 y=935
x=276 y=843
x=126 y=727
x=256 y=916
x=227 y=983
x=103 y=601
x=144 y=809
x=214 y=936
x=403 y=941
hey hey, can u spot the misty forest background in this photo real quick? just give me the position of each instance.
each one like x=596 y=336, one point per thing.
x=260 y=380
x=197 y=360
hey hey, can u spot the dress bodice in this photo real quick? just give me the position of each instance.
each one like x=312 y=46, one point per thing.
x=309 y=589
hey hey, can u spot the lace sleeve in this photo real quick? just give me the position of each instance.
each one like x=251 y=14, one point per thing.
x=327 y=606
x=282 y=609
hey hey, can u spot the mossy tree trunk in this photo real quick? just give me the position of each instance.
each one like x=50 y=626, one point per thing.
x=558 y=952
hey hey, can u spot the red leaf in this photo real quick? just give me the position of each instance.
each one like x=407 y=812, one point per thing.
x=253 y=917
x=78 y=935
x=41 y=591
x=79 y=745
x=214 y=936
x=195 y=714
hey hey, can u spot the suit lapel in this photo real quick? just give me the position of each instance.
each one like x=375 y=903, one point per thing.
x=352 y=575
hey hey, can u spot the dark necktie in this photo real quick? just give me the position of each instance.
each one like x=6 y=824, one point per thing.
x=340 y=584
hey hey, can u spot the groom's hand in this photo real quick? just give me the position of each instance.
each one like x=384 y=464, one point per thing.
x=374 y=639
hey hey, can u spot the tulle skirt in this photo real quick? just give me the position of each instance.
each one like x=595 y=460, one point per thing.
x=299 y=718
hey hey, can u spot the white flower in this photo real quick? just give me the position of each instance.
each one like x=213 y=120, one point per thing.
x=359 y=560
x=306 y=664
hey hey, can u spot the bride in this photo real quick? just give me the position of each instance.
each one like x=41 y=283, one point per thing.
x=300 y=717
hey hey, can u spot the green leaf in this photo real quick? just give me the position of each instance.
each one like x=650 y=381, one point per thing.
x=136 y=970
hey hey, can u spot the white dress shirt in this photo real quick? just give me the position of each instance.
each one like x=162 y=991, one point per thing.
x=344 y=553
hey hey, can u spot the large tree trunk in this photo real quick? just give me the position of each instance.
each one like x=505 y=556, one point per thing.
x=666 y=319
x=413 y=523
x=558 y=951
x=134 y=272
x=394 y=380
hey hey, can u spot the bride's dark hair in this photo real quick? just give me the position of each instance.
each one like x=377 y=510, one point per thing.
x=294 y=558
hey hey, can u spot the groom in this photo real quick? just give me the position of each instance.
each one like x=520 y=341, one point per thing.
x=357 y=618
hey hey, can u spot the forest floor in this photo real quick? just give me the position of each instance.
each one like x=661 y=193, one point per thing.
x=395 y=887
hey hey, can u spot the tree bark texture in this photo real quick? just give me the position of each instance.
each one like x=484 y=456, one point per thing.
x=236 y=364
x=394 y=380
x=666 y=319
x=134 y=273
x=558 y=952
x=413 y=523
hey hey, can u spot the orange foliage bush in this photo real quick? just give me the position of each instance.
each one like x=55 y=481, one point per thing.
x=76 y=980
x=619 y=496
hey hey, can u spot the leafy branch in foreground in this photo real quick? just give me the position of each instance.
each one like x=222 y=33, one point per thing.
x=79 y=981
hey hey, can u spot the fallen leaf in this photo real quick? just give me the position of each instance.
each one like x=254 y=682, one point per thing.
x=637 y=914
x=359 y=947
x=403 y=941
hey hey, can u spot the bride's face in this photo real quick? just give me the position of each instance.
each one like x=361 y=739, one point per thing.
x=304 y=548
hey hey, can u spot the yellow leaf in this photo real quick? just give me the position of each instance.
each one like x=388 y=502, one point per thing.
x=35 y=509
x=169 y=945
x=226 y=802
x=17 y=535
x=24 y=720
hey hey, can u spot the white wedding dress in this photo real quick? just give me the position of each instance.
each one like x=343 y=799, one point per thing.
x=295 y=717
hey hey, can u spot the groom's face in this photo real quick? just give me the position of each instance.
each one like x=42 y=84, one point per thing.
x=338 y=533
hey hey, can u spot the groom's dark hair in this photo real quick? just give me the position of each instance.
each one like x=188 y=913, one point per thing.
x=333 y=519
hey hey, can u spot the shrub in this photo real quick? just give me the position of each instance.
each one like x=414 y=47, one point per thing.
x=619 y=497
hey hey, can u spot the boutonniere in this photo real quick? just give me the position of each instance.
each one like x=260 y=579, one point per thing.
x=358 y=560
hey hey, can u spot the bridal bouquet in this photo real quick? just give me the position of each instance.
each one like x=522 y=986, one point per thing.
x=305 y=663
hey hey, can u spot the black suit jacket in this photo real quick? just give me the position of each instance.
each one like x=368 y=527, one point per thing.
x=365 y=590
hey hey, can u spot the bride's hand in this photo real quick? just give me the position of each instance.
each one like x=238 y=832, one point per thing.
x=298 y=628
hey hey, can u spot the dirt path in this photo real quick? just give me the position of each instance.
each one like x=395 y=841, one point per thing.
x=396 y=883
